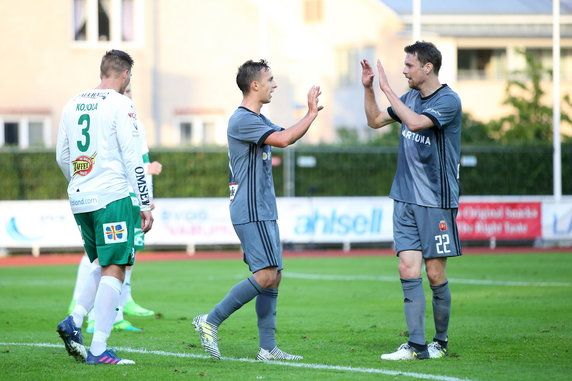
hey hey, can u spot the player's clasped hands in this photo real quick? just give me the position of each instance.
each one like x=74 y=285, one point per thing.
x=367 y=74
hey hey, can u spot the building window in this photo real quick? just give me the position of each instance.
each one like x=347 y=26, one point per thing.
x=36 y=134
x=80 y=20
x=544 y=57
x=209 y=132
x=186 y=130
x=11 y=134
x=481 y=64
x=348 y=63
x=24 y=131
x=103 y=15
x=201 y=129
x=313 y=11
x=105 y=20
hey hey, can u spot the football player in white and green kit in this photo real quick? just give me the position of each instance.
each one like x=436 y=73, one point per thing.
x=98 y=152
x=127 y=306
x=425 y=190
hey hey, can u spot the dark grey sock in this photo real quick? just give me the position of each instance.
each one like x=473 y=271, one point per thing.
x=266 y=311
x=414 y=307
x=242 y=293
x=441 y=310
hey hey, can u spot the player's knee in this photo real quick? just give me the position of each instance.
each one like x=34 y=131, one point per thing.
x=267 y=278
x=436 y=277
x=408 y=272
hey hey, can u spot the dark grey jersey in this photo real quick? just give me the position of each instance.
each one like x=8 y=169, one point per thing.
x=428 y=161
x=252 y=196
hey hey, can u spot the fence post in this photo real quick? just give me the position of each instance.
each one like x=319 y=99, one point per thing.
x=289 y=172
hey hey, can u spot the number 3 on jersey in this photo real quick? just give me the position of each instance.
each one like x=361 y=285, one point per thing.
x=442 y=244
x=84 y=120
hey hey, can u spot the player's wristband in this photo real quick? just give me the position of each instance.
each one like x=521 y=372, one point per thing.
x=145 y=208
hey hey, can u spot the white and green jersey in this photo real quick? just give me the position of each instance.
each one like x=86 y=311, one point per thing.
x=99 y=150
x=145 y=156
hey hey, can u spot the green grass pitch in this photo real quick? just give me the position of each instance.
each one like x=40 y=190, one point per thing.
x=511 y=320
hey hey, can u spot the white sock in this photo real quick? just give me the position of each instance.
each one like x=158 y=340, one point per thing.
x=86 y=295
x=119 y=315
x=82 y=273
x=126 y=287
x=105 y=309
x=125 y=294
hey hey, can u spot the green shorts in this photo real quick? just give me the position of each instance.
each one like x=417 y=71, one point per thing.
x=139 y=237
x=108 y=233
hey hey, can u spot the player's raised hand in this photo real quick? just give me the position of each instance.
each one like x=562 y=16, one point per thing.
x=383 y=83
x=366 y=74
x=313 y=99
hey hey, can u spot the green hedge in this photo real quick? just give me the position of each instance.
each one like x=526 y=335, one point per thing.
x=357 y=171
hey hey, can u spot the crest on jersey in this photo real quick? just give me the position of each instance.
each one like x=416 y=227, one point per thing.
x=442 y=226
x=83 y=165
x=115 y=232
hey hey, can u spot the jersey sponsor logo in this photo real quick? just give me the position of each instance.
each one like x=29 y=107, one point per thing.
x=417 y=138
x=233 y=187
x=133 y=117
x=95 y=95
x=142 y=185
x=442 y=226
x=432 y=111
x=266 y=155
x=115 y=232
x=83 y=165
x=84 y=201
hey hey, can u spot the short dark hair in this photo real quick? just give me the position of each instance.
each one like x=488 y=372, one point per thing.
x=248 y=72
x=426 y=52
x=115 y=61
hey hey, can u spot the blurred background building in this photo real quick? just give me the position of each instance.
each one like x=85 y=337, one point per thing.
x=187 y=52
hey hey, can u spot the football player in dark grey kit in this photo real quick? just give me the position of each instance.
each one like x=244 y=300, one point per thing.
x=253 y=208
x=425 y=189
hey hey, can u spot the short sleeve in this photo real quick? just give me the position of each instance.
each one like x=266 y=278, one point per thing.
x=443 y=110
x=253 y=128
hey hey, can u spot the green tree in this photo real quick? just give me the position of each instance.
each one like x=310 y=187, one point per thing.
x=530 y=119
x=474 y=131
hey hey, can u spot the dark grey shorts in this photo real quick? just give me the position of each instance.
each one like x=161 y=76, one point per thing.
x=432 y=231
x=260 y=242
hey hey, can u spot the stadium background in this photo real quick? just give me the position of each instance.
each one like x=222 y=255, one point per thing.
x=497 y=55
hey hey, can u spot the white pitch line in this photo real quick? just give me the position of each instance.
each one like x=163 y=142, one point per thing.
x=423 y=376
x=395 y=278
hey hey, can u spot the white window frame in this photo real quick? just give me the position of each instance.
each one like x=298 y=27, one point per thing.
x=198 y=134
x=92 y=35
x=23 y=122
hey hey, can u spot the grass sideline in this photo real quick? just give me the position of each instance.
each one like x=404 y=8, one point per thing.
x=510 y=321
